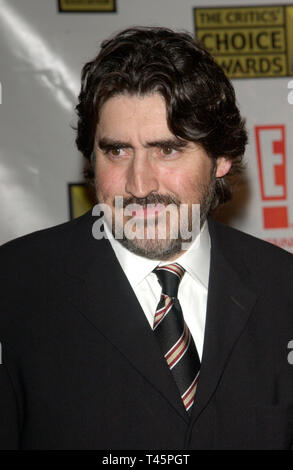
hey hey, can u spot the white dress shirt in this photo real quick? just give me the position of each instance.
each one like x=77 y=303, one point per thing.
x=193 y=288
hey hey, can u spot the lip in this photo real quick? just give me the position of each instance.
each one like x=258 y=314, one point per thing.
x=148 y=212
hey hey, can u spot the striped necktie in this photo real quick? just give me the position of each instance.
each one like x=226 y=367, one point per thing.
x=173 y=335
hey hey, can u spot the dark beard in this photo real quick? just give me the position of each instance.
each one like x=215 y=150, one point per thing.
x=169 y=248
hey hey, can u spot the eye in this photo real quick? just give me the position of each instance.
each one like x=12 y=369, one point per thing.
x=115 y=152
x=168 y=151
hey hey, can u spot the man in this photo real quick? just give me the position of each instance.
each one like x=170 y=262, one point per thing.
x=136 y=342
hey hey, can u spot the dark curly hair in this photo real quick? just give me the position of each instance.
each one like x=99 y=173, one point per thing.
x=200 y=100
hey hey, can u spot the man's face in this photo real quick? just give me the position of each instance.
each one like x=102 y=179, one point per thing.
x=139 y=158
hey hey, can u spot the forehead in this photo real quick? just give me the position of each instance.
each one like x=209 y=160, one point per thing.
x=126 y=116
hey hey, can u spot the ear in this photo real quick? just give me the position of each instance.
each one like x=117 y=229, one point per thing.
x=223 y=166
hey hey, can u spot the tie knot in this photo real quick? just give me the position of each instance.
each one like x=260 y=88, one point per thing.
x=169 y=277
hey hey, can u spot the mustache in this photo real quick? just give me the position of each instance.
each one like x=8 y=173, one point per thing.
x=155 y=199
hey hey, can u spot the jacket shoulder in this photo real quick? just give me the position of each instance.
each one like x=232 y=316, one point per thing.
x=38 y=248
x=254 y=251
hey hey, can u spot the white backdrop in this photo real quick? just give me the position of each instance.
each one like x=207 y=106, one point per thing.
x=42 y=52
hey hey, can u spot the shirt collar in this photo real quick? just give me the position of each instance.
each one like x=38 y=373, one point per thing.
x=195 y=260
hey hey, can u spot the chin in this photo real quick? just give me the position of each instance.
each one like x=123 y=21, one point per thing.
x=154 y=249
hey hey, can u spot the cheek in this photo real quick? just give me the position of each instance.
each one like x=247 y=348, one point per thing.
x=187 y=183
x=109 y=182
x=181 y=183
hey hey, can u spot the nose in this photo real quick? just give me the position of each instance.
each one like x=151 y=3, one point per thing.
x=141 y=177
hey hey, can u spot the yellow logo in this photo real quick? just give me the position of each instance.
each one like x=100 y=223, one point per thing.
x=84 y=6
x=80 y=199
x=248 y=42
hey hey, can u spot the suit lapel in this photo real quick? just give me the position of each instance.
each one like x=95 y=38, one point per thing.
x=228 y=309
x=229 y=305
x=105 y=297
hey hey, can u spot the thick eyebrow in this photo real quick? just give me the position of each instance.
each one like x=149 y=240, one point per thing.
x=106 y=143
x=173 y=143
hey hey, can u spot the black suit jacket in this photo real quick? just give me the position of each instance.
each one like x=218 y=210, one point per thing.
x=81 y=368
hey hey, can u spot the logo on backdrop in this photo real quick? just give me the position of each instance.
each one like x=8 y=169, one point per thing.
x=273 y=183
x=80 y=199
x=248 y=42
x=86 y=6
x=271 y=158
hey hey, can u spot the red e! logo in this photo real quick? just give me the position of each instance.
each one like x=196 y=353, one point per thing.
x=271 y=157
